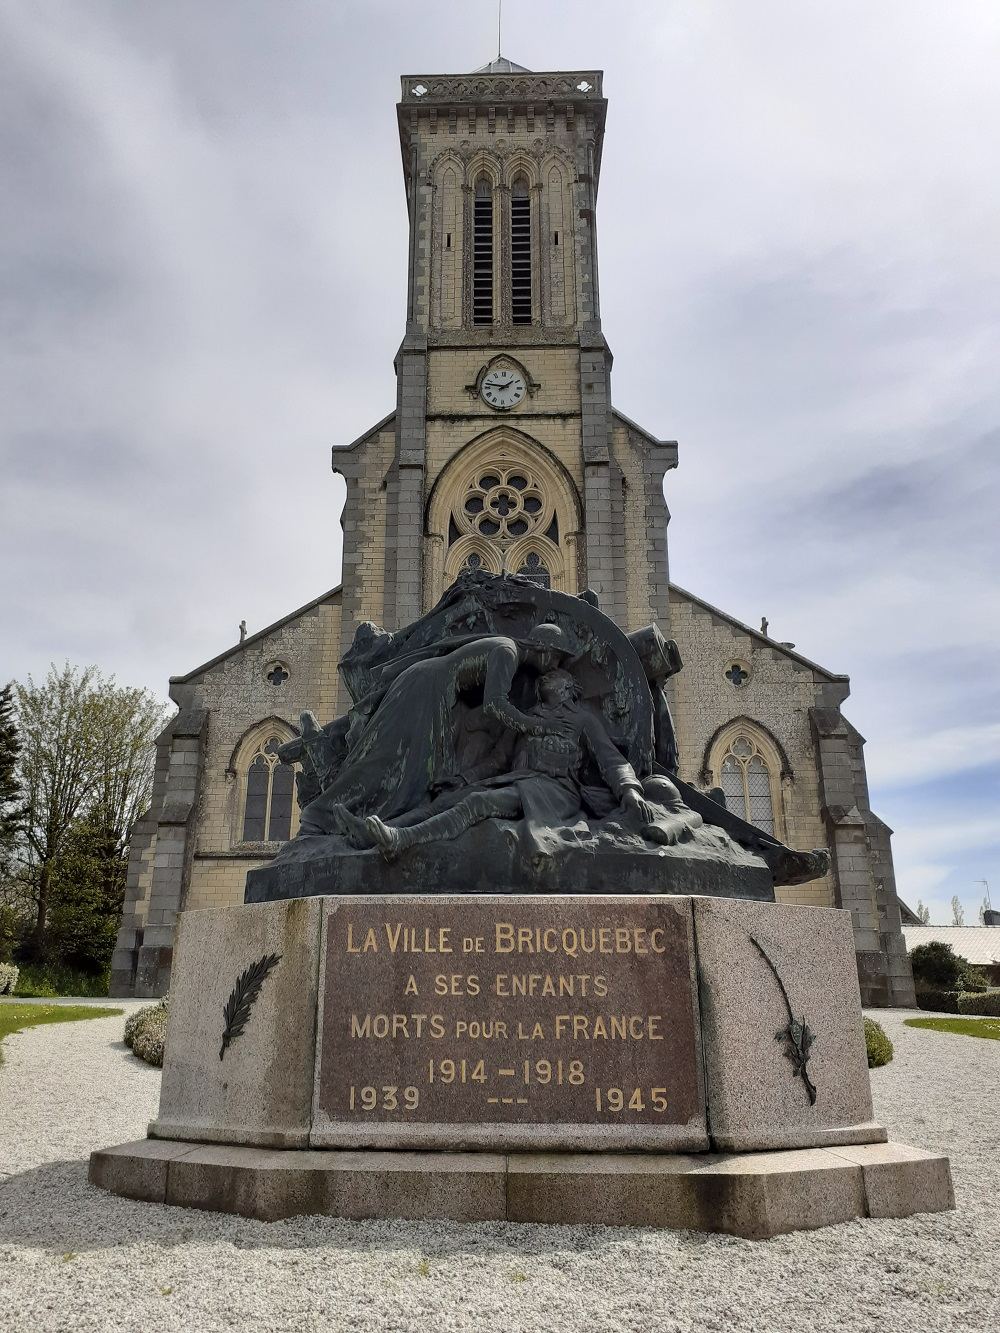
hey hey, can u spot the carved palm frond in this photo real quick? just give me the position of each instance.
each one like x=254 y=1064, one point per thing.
x=241 y=1000
x=798 y=1035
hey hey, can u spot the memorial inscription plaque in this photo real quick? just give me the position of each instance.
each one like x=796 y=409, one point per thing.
x=509 y=1022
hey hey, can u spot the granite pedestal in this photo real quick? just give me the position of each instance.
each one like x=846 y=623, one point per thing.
x=628 y=1059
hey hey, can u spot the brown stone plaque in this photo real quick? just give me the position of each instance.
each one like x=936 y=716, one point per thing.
x=508 y=1021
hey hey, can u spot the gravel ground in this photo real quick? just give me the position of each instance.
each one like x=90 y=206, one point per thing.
x=74 y=1258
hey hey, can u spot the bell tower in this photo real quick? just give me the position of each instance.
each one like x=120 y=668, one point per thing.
x=501 y=169
x=503 y=452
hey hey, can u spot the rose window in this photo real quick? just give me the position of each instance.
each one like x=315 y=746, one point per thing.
x=504 y=504
x=502 y=519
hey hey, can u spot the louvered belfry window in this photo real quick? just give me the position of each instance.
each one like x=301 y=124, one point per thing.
x=520 y=252
x=482 y=254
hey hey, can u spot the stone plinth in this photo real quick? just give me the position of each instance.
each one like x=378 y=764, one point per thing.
x=626 y=1059
x=754 y=1195
x=505 y=1023
x=760 y=970
x=258 y=1088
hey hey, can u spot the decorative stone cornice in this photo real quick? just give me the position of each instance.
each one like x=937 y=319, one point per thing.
x=501 y=89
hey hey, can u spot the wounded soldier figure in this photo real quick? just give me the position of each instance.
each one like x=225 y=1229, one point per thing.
x=542 y=784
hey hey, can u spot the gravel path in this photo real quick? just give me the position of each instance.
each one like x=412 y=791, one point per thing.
x=73 y=1258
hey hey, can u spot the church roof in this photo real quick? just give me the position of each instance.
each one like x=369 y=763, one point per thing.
x=763 y=639
x=976 y=944
x=251 y=639
x=501 y=65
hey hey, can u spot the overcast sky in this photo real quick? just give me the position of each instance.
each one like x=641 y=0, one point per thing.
x=202 y=265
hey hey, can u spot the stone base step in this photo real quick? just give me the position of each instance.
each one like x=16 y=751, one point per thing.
x=754 y=1195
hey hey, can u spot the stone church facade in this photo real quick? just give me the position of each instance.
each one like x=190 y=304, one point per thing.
x=504 y=452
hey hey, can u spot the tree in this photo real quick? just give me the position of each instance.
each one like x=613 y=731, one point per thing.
x=86 y=754
x=924 y=913
x=936 y=964
x=87 y=889
x=957 y=912
x=11 y=812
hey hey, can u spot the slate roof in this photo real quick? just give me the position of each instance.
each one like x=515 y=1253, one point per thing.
x=976 y=944
x=501 y=65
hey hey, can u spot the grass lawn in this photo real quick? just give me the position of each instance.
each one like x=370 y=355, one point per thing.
x=17 y=1017
x=965 y=1027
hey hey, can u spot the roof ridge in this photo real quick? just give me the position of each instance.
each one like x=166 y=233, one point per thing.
x=255 y=638
x=776 y=644
x=501 y=64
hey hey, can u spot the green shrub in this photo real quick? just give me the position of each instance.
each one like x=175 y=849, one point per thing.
x=146 y=1030
x=988 y=1005
x=8 y=978
x=972 y=979
x=937 y=1001
x=45 y=981
x=937 y=965
x=877 y=1044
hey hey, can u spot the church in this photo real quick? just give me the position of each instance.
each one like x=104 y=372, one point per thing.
x=505 y=453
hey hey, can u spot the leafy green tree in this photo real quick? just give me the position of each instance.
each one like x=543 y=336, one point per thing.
x=87 y=888
x=936 y=964
x=86 y=755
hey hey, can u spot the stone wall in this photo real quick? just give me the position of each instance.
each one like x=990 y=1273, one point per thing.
x=188 y=849
x=778 y=695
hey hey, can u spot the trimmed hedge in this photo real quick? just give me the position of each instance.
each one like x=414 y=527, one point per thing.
x=146 y=1030
x=987 y=1006
x=938 y=1001
x=877 y=1044
x=8 y=978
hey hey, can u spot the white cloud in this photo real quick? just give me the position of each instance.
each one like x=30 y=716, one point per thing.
x=933 y=754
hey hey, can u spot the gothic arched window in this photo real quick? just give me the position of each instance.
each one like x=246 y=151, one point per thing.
x=482 y=253
x=520 y=252
x=746 y=777
x=268 y=794
x=535 y=568
x=508 y=503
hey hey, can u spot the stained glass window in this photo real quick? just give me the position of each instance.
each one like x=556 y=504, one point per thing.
x=746 y=780
x=534 y=568
x=505 y=513
x=270 y=788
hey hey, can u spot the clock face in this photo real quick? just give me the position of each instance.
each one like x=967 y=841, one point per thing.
x=502 y=389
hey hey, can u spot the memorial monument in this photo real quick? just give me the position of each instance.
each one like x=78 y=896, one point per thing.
x=512 y=967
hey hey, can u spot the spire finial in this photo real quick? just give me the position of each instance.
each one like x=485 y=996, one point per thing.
x=499 y=21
